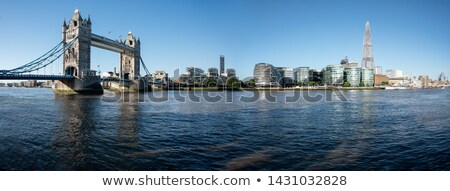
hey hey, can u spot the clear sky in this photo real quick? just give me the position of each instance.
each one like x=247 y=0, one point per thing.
x=411 y=35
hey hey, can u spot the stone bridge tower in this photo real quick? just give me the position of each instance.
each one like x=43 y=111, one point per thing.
x=130 y=60
x=77 y=59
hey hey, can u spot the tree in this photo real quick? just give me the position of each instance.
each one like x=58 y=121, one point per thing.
x=233 y=82
x=384 y=83
x=361 y=84
x=346 y=84
x=251 y=83
x=210 y=82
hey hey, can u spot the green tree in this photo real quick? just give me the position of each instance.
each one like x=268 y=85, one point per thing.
x=251 y=83
x=210 y=82
x=346 y=84
x=361 y=84
x=384 y=83
x=312 y=84
x=233 y=83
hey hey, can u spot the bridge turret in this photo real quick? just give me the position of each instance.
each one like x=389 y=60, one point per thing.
x=77 y=59
x=64 y=28
x=76 y=16
x=130 y=60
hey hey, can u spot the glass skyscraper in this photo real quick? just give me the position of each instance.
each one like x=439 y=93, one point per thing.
x=367 y=60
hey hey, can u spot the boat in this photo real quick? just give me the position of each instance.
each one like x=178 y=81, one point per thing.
x=443 y=88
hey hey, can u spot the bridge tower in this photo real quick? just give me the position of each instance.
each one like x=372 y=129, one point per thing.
x=77 y=60
x=129 y=60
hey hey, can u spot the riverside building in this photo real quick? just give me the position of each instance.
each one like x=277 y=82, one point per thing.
x=266 y=75
x=353 y=76
x=334 y=75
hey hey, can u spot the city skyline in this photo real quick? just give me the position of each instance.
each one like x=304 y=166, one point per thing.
x=246 y=32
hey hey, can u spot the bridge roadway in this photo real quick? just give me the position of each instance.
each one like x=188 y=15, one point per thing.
x=34 y=77
x=108 y=44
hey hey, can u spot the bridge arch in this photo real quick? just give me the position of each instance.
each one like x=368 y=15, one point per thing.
x=71 y=71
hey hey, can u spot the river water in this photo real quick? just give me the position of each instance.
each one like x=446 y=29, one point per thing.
x=371 y=130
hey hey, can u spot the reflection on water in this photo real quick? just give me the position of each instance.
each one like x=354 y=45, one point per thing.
x=75 y=129
x=373 y=130
x=128 y=120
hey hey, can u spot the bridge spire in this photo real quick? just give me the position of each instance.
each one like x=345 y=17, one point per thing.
x=76 y=15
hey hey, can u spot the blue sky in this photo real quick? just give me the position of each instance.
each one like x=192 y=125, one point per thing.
x=413 y=36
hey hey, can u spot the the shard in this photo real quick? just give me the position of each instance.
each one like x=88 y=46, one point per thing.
x=367 y=60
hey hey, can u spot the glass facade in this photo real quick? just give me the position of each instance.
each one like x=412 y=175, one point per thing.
x=286 y=75
x=301 y=74
x=353 y=76
x=367 y=77
x=315 y=76
x=265 y=75
x=334 y=75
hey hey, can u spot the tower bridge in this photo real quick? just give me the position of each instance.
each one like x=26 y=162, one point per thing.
x=75 y=50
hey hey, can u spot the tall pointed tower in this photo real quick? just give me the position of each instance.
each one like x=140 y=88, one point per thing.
x=367 y=60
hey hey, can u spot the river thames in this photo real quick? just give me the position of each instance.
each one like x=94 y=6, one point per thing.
x=372 y=130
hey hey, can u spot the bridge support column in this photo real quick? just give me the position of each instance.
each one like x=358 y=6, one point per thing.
x=79 y=86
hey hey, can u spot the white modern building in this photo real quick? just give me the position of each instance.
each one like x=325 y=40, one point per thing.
x=394 y=73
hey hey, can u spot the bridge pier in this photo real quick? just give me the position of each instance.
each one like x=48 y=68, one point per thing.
x=128 y=86
x=79 y=86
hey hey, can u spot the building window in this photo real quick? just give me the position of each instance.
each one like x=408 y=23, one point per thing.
x=75 y=23
x=131 y=43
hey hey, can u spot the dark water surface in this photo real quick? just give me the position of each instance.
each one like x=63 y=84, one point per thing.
x=373 y=130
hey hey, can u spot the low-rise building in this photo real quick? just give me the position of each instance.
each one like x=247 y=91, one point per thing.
x=381 y=79
x=401 y=81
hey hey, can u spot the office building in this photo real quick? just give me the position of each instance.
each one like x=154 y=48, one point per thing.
x=315 y=76
x=367 y=77
x=231 y=72
x=265 y=75
x=222 y=64
x=301 y=74
x=333 y=75
x=212 y=72
x=378 y=70
x=286 y=75
x=394 y=73
x=348 y=64
x=353 y=76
